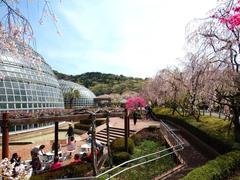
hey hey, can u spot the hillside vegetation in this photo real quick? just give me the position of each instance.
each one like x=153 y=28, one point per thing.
x=101 y=83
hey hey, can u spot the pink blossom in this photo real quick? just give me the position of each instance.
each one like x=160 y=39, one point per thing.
x=134 y=103
x=223 y=20
x=236 y=9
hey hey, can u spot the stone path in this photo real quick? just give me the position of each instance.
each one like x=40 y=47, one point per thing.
x=192 y=157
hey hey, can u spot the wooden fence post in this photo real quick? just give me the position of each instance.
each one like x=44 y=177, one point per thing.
x=56 y=140
x=93 y=145
x=5 y=136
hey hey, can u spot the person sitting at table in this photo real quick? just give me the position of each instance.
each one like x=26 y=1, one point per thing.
x=59 y=149
x=15 y=159
x=36 y=163
x=89 y=157
x=71 y=145
x=38 y=149
x=76 y=159
x=57 y=164
x=53 y=147
x=41 y=151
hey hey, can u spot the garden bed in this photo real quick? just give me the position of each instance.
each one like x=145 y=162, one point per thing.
x=146 y=141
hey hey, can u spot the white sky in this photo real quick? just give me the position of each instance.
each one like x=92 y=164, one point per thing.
x=130 y=37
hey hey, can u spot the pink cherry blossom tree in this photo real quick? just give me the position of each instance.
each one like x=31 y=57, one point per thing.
x=15 y=27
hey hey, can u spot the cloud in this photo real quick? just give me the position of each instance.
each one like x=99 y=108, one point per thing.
x=136 y=37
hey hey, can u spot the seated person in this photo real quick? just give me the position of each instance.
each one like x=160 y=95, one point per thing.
x=89 y=157
x=84 y=157
x=57 y=164
x=76 y=159
x=59 y=149
x=36 y=163
x=15 y=159
x=38 y=149
x=41 y=151
x=53 y=147
x=71 y=145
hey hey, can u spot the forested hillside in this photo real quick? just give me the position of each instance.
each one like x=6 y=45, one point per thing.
x=101 y=83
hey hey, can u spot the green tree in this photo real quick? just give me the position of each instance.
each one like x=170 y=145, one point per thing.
x=71 y=95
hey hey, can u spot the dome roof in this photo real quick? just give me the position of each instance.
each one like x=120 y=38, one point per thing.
x=27 y=82
x=86 y=96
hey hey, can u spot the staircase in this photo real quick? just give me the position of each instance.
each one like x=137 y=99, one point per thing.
x=114 y=133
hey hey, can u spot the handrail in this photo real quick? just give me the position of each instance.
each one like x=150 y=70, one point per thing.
x=172 y=149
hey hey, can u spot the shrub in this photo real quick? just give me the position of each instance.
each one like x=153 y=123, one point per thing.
x=136 y=139
x=118 y=145
x=219 y=168
x=72 y=170
x=82 y=126
x=120 y=157
x=152 y=128
x=85 y=125
x=100 y=122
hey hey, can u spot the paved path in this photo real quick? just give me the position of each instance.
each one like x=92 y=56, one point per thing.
x=192 y=157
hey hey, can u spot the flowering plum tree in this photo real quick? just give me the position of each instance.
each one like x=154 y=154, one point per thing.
x=135 y=103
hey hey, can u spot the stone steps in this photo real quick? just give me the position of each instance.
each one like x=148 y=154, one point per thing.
x=114 y=133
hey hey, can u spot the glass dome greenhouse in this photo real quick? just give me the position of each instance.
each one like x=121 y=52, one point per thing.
x=27 y=83
x=86 y=96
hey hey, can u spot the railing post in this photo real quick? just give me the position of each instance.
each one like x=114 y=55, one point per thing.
x=93 y=145
x=108 y=141
x=56 y=140
x=5 y=136
x=128 y=124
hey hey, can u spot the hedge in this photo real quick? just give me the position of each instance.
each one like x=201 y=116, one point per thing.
x=72 y=170
x=218 y=144
x=136 y=139
x=216 y=169
x=118 y=145
x=120 y=157
x=85 y=125
x=98 y=122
